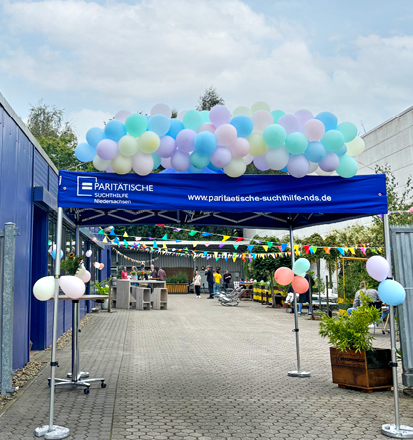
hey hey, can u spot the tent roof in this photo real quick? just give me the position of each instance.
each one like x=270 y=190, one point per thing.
x=255 y=201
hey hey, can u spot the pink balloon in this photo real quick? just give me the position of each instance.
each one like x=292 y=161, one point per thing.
x=313 y=130
x=101 y=266
x=73 y=287
x=239 y=148
x=298 y=165
x=88 y=253
x=290 y=123
x=181 y=115
x=378 y=268
x=219 y=115
x=300 y=284
x=221 y=157
x=262 y=119
x=303 y=116
x=330 y=162
x=226 y=134
x=107 y=149
x=122 y=115
x=180 y=161
x=86 y=277
x=166 y=147
x=185 y=140
x=206 y=126
x=166 y=163
x=283 y=276
x=260 y=163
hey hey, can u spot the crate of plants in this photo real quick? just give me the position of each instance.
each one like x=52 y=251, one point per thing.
x=177 y=283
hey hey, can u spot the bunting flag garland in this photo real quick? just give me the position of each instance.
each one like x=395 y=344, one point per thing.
x=192 y=233
x=104 y=240
x=165 y=237
x=206 y=234
x=112 y=232
x=101 y=232
x=125 y=243
x=194 y=244
x=236 y=246
x=226 y=237
x=239 y=239
x=327 y=250
x=341 y=250
x=265 y=248
x=250 y=247
x=269 y=243
x=125 y=234
x=155 y=246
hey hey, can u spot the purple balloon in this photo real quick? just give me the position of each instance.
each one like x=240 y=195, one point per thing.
x=378 y=268
x=180 y=161
x=298 y=165
x=330 y=162
x=107 y=149
x=221 y=157
x=219 y=115
x=260 y=163
x=290 y=123
x=166 y=147
x=109 y=170
x=166 y=163
x=303 y=116
x=185 y=140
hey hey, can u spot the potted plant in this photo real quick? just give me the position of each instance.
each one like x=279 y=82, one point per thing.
x=141 y=274
x=354 y=361
x=102 y=288
x=72 y=263
x=133 y=275
x=177 y=283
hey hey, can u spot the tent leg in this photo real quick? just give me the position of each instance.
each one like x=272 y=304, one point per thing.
x=393 y=430
x=298 y=372
x=51 y=431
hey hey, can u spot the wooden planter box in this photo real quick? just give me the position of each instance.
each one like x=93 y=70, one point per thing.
x=366 y=370
x=177 y=288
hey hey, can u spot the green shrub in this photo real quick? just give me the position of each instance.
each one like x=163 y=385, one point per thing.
x=180 y=277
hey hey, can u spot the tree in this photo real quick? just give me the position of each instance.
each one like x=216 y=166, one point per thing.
x=209 y=99
x=174 y=112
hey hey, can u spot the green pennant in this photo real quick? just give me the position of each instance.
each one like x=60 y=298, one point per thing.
x=192 y=233
x=236 y=246
x=269 y=244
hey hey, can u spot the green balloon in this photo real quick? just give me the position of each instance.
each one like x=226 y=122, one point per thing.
x=301 y=266
x=333 y=140
x=192 y=119
x=296 y=143
x=199 y=160
x=348 y=130
x=276 y=114
x=136 y=125
x=347 y=167
x=274 y=135
x=205 y=116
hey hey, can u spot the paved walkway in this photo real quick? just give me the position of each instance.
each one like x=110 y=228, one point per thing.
x=203 y=371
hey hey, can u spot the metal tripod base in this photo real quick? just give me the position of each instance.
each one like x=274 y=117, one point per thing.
x=79 y=383
x=299 y=373
x=392 y=431
x=81 y=375
x=57 y=432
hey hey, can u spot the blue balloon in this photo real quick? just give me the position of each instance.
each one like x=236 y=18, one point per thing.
x=193 y=170
x=175 y=127
x=94 y=136
x=205 y=143
x=391 y=292
x=213 y=167
x=328 y=119
x=342 y=151
x=159 y=124
x=84 y=152
x=284 y=170
x=156 y=161
x=114 y=130
x=243 y=124
x=315 y=152
x=205 y=116
x=53 y=254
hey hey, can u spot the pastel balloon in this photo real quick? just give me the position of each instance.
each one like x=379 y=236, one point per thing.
x=114 y=130
x=260 y=105
x=391 y=292
x=283 y=276
x=180 y=161
x=199 y=160
x=235 y=168
x=296 y=143
x=101 y=266
x=44 y=288
x=221 y=157
x=128 y=145
x=159 y=124
x=107 y=149
x=109 y=170
x=239 y=148
x=313 y=167
x=321 y=172
x=276 y=114
x=303 y=116
x=347 y=167
x=88 y=253
x=185 y=140
x=248 y=159
x=175 y=127
x=333 y=140
x=313 y=130
x=330 y=162
x=300 y=284
x=205 y=143
x=241 y=111
x=290 y=123
x=205 y=116
x=277 y=158
x=86 y=277
x=260 y=163
x=81 y=271
x=219 y=115
x=225 y=134
x=94 y=136
x=122 y=115
x=100 y=164
x=96 y=265
x=149 y=142
x=342 y=151
x=213 y=167
x=261 y=120
x=142 y=163
x=298 y=165
x=161 y=109
x=315 y=152
x=301 y=266
x=167 y=146
x=84 y=152
x=378 y=268
x=274 y=135
x=243 y=125
x=181 y=115
x=193 y=170
x=136 y=125
x=328 y=119
x=192 y=120
x=156 y=161
x=348 y=130
x=206 y=126
x=166 y=162
x=257 y=145
x=72 y=286
x=355 y=147
x=121 y=164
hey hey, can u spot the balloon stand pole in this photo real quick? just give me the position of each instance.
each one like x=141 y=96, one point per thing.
x=298 y=372
x=393 y=430
x=52 y=431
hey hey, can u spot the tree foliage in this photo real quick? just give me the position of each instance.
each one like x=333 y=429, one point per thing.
x=209 y=99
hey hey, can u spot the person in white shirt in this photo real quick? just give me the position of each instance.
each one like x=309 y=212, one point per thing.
x=197 y=284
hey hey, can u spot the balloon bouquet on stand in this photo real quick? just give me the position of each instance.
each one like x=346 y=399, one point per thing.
x=215 y=140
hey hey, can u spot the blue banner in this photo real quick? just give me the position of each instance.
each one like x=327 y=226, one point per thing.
x=220 y=193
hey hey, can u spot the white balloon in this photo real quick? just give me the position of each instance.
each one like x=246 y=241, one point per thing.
x=73 y=287
x=86 y=277
x=248 y=159
x=355 y=147
x=88 y=253
x=262 y=119
x=142 y=163
x=181 y=115
x=161 y=109
x=313 y=167
x=122 y=115
x=80 y=272
x=206 y=126
x=96 y=264
x=121 y=164
x=44 y=288
x=277 y=158
x=100 y=164
x=320 y=172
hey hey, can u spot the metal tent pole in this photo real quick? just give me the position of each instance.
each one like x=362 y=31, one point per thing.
x=51 y=431
x=393 y=430
x=298 y=372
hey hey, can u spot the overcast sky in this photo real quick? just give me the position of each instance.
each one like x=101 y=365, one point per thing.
x=93 y=58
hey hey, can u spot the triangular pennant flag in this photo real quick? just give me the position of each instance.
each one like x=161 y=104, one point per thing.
x=192 y=233
x=236 y=246
x=117 y=240
x=373 y=250
x=265 y=248
x=280 y=248
x=250 y=247
x=269 y=244
x=178 y=241
x=306 y=249
x=238 y=239
x=226 y=258
x=363 y=249
x=205 y=253
x=216 y=259
x=311 y=250
x=352 y=251
x=138 y=238
x=326 y=250
x=345 y=250
x=164 y=246
x=341 y=250
x=207 y=244
x=253 y=256
x=225 y=237
x=101 y=232
x=215 y=254
x=161 y=226
x=243 y=257
x=186 y=249
x=221 y=245
x=155 y=246
x=295 y=247
x=104 y=240
x=177 y=230
x=233 y=259
x=125 y=234
x=206 y=234
x=165 y=237
x=112 y=232
x=194 y=244
x=284 y=246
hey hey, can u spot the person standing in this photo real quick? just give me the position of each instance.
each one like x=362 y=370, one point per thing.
x=124 y=274
x=217 y=279
x=154 y=272
x=227 y=279
x=197 y=284
x=210 y=280
x=304 y=298
x=161 y=274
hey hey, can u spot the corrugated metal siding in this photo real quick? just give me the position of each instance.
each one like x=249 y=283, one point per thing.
x=40 y=171
x=53 y=183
